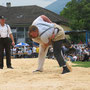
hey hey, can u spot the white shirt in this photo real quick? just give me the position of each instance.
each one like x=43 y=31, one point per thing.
x=86 y=52
x=34 y=49
x=74 y=57
x=14 y=50
x=29 y=52
x=5 y=31
x=43 y=26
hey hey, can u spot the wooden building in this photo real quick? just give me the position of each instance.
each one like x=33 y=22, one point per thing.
x=21 y=17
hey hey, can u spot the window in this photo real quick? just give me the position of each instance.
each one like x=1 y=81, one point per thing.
x=26 y=32
x=20 y=32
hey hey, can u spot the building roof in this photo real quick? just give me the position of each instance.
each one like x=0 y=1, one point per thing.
x=25 y=15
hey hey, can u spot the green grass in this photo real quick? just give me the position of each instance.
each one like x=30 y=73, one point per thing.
x=81 y=64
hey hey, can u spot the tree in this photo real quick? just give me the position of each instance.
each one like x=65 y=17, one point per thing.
x=78 y=14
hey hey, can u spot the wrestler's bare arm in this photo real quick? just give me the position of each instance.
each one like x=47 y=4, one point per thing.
x=46 y=19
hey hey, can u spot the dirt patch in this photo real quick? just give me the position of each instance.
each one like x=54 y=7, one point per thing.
x=22 y=77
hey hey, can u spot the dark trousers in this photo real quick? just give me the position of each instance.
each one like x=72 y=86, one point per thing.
x=5 y=44
x=86 y=57
x=57 y=48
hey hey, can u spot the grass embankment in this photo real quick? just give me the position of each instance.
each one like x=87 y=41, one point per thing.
x=82 y=64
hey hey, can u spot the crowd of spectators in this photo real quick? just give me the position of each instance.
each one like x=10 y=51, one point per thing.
x=25 y=52
x=82 y=52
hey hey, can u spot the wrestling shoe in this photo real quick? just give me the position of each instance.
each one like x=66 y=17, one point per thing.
x=67 y=68
x=37 y=71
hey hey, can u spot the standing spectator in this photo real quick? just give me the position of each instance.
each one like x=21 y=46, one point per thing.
x=5 y=33
x=34 y=52
x=88 y=45
x=37 y=51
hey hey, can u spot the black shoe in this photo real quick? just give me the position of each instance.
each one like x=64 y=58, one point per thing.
x=65 y=70
x=10 y=67
x=1 y=67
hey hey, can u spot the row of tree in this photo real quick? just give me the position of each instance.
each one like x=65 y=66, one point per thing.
x=78 y=14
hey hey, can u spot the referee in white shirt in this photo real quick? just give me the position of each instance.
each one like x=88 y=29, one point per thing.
x=5 y=33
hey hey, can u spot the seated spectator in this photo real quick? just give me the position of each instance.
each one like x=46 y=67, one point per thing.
x=20 y=53
x=74 y=57
x=14 y=52
x=29 y=53
x=86 y=55
x=71 y=57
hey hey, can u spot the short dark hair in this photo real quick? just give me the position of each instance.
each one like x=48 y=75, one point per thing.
x=2 y=17
x=32 y=28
